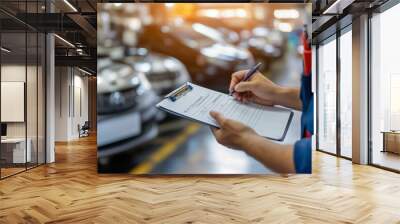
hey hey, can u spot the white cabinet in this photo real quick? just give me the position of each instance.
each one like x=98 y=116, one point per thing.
x=18 y=149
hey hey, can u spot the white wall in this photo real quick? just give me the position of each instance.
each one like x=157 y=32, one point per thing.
x=71 y=93
x=81 y=100
x=14 y=73
x=61 y=103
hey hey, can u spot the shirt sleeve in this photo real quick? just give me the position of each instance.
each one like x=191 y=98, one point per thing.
x=302 y=156
x=305 y=91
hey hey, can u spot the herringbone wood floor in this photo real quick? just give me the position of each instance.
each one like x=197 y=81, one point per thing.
x=70 y=191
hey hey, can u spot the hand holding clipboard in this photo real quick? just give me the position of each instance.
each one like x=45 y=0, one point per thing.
x=194 y=102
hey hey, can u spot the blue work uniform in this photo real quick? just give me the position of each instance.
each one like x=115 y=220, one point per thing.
x=302 y=148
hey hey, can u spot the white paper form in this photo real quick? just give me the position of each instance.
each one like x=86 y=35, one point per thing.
x=196 y=104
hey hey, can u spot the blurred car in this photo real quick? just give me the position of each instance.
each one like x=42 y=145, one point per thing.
x=220 y=34
x=165 y=73
x=209 y=62
x=265 y=44
x=126 y=109
x=110 y=50
x=231 y=33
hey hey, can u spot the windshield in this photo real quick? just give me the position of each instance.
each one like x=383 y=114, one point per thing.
x=208 y=31
x=191 y=37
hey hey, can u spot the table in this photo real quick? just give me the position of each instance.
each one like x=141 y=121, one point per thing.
x=391 y=141
x=13 y=150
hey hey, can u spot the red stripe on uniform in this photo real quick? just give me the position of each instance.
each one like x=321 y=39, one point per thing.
x=307 y=134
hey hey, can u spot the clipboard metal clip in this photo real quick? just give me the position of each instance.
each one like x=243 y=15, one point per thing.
x=179 y=92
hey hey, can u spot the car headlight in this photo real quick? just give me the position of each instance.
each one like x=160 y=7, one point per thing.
x=117 y=87
x=171 y=64
x=143 y=67
x=177 y=67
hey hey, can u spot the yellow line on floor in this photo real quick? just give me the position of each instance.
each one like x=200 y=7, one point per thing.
x=165 y=150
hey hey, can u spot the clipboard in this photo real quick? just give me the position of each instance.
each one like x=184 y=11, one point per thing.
x=194 y=102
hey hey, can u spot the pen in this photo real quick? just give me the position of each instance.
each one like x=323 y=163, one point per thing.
x=248 y=75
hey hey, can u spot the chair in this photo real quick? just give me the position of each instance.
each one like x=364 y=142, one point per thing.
x=84 y=129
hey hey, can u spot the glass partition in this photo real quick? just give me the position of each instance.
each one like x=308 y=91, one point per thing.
x=346 y=94
x=13 y=109
x=31 y=98
x=327 y=96
x=22 y=89
x=41 y=91
x=35 y=50
x=385 y=89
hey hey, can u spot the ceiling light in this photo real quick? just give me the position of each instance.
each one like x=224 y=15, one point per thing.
x=70 y=5
x=5 y=50
x=338 y=6
x=65 y=41
x=286 y=14
x=230 y=13
x=225 y=13
x=213 y=13
x=284 y=27
x=84 y=71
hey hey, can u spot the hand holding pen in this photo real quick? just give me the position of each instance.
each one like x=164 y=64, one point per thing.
x=257 y=88
x=247 y=76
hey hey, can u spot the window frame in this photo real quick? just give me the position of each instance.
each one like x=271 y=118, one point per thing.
x=333 y=37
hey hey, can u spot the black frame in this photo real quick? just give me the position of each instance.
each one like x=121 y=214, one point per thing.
x=342 y=31
x=30 y=29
